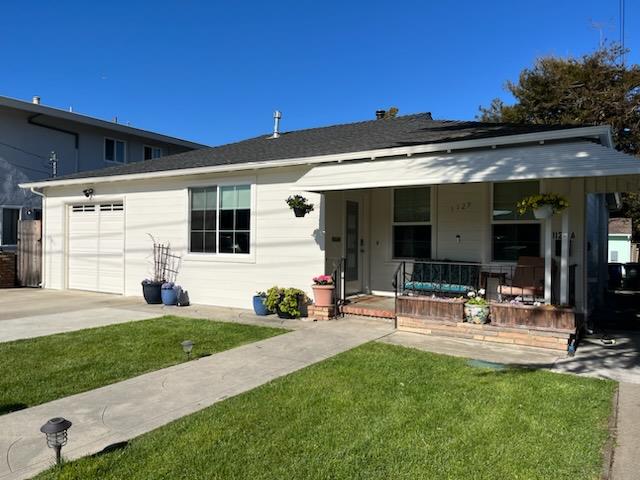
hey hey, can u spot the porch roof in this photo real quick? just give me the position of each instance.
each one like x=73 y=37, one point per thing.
x=559 y=160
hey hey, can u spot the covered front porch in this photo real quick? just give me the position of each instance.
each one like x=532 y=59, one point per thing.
x=427 y=233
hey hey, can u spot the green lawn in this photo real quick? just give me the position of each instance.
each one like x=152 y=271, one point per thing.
x=42 y=369
x=380 y=412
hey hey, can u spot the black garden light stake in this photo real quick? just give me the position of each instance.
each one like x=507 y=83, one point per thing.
x=187 y=346
x=56 y=432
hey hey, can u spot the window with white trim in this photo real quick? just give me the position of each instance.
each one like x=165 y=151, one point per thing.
x=412 y=223
x=115 y=150
x=514 y=235
x=149 y=153
x=220 y=219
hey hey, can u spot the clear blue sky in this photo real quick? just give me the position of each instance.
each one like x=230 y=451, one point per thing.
x=213 y=71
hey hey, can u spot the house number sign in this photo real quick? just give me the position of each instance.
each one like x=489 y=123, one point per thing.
x=458 y=207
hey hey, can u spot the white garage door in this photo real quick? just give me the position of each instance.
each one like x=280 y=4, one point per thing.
x=96 y=247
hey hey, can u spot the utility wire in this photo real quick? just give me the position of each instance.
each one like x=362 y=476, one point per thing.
x=44 y=169
x=24 y=151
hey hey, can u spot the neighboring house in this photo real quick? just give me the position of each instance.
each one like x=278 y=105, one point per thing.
x=620 y=230
x=385 y=192
x=29 y=132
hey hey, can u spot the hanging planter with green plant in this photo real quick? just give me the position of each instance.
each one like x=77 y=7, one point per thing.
x=543 y=205
x=299 y=205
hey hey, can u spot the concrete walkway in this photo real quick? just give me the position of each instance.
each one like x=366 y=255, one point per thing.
x=626 y=454
x=119 y=412
x=27 y=312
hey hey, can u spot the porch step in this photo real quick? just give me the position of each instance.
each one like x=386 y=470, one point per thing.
x=549 y=339
x=355 y=309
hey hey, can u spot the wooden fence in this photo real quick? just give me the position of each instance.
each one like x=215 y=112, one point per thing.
x=29 y=253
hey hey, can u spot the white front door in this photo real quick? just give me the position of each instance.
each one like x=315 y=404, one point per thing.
x=95 y=247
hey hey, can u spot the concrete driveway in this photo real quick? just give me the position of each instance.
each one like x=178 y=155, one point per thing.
x=28 y=313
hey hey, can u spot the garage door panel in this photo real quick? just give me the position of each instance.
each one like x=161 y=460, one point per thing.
x=96 y=247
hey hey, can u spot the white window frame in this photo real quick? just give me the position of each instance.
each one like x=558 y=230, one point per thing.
x=394 y=223
x=511 y=222
x=152 y=147
x=115 y=141
x=218 y=256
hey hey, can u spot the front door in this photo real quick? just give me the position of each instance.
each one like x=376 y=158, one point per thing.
x=353 y=240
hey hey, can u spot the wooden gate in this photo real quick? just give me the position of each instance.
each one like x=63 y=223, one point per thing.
x=29 y=253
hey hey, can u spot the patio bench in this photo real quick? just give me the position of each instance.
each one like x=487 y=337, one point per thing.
x=444 y=278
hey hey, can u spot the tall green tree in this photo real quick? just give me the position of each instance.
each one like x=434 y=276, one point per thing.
x=596 y=89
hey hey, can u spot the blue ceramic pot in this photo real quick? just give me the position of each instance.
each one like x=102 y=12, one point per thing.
x=169 y=296
x=259 y=307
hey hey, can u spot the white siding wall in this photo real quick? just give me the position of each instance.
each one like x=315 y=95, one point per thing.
x=286 y=250
x=462 y=209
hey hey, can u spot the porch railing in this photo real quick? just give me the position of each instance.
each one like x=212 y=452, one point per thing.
x=338 y=280
x=500 y=281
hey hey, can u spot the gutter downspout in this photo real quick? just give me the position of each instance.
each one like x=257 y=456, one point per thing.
x=43 y=236
x=76 y=136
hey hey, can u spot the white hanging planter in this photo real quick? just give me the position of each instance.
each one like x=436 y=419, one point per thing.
x=543 y=212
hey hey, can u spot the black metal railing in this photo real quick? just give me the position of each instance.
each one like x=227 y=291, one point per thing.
x=337 y=274
x=523 y=281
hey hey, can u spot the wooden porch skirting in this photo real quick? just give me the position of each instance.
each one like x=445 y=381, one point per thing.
x=531 y=337
x=510 y=324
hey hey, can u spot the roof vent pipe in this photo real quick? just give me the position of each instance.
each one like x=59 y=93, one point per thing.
x=277 y=115
x=35 y=100
x=380 y=114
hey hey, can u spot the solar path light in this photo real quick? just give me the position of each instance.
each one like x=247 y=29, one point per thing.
x=56 y=431
x=187 y=347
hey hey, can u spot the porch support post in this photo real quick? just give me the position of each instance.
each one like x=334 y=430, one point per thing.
x=548 y=240
x=564 y=260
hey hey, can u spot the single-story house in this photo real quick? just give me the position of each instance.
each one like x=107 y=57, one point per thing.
x=388 y=193
x=619 y=247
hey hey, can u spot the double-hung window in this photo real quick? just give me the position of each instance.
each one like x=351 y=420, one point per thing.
x=220 y=219
x=513 y=235
x=115 y=150
x=412 y=223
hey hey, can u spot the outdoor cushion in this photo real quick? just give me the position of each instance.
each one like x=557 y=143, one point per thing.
x=437 y=287
x=520 y=291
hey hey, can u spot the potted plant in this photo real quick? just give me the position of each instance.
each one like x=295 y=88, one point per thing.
x=476 y=308
x=151 y=291
x=286 y=302
x=543 y=205
x=323 y=288
x=169 y=293
x=259 y=304
x=299 y=205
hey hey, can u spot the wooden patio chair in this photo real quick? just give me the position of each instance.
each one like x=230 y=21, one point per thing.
x=528 y=279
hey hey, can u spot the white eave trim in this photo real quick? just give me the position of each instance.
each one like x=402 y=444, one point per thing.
x=600 y=132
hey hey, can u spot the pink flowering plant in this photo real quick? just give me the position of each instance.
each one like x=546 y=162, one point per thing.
x=323 y=280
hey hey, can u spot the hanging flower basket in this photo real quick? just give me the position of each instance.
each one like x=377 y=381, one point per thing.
x=299 y=205
x=543 y=205
x=543 y=212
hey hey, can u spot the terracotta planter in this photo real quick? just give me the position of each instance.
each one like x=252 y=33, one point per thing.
x=478 y=314
x=543 y=212
x=323 y=295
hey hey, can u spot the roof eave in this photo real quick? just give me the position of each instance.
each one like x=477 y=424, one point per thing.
x=602 y=133
x=95 y=122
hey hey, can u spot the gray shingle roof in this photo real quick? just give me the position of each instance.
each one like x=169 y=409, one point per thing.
x=418 y=129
